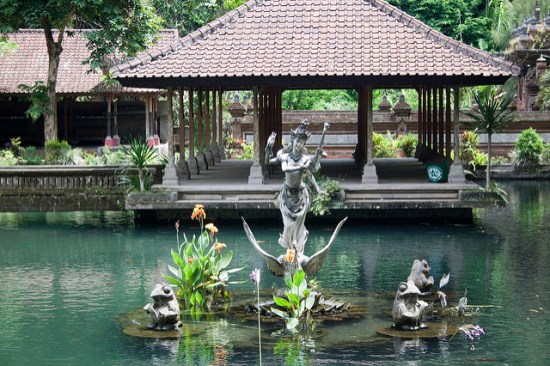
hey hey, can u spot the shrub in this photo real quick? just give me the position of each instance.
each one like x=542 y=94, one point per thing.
x=384 y=146
x=529 y=148
x=7 y=158
x=57 y=152
x=545 y=157
x=408 y=143
x=248 y=151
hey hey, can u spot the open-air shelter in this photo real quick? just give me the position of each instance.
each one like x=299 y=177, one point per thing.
x=269 y=46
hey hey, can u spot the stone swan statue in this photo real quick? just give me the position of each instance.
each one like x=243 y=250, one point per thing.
x=294 y=201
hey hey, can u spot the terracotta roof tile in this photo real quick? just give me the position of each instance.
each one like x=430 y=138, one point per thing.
x=28 y=63
x=315 y=37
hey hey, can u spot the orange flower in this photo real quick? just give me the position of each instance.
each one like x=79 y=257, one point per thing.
x=190 y=260
x=219 y=246
x=177 y=225
x=198 y=213
x=290 y=253
x=212 y=228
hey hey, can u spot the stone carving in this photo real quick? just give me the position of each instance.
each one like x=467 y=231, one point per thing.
x=407 y=309
x=165 y=310
x=419 y=275
x=294 y=201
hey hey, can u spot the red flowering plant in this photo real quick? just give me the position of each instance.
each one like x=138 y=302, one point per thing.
x=200 y=272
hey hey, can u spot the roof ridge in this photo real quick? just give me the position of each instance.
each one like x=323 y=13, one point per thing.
x=185 y=41
x=441 y=38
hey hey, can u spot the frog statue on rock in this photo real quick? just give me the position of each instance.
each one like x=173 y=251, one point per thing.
x=165 y=311
x=407 y=309
x=419 y=275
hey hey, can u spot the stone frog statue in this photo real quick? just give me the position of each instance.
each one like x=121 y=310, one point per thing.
x=164 y=311
x=407 y=309
x=419 y=275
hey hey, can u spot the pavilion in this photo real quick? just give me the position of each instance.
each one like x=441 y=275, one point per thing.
x=268 y=46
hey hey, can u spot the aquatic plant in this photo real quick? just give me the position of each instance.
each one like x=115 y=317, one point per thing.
x=200 y=272
x=408 y=143
x=298 y=303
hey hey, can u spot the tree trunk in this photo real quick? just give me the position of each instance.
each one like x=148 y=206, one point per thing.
x=54 y=51
x=488 y=172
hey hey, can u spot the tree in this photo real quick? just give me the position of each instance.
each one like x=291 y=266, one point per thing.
x=491 y=115
x=189 y=15
x=124 y=26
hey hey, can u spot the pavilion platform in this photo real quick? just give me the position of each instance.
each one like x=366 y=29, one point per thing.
x=402 y=191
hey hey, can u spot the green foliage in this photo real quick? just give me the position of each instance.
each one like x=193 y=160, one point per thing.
x=189 y=15
x=464 y=20
x=248 y=150
x=200 y=270
x=545 y=156
x=321 y=202
x=7 y=158
x=529 y=148
x=543 y=97
x=319 y=100
x=408 y=143
x=139 y=155
x=501 y=192
x=38 y=98
x=297 y=305
x=384 y=146
x=6 y=46
x=57 y=152
x=469 y=153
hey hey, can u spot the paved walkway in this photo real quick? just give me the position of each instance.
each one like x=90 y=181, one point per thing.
x=235 y=173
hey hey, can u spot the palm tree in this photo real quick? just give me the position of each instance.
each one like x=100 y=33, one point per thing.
x=492 y=114
x=140 y=155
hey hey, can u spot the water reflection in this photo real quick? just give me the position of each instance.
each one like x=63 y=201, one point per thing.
x=64 y=278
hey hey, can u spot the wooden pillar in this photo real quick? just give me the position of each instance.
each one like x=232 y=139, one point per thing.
x=428 y=118
x=360 y=153
x=434 y=118
x=420 y=121
x=182 y=166
x=256 y=175
x=201 y=158
x=456 y=174
x=214 y=143
x=221 y=146
x=66 y=118
x=209 y=156
x=448 y=122
x=369 y=170
x=192 y=162
x=441 y=123
x=170 y=176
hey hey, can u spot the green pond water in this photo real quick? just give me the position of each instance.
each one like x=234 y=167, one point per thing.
x=70 y=283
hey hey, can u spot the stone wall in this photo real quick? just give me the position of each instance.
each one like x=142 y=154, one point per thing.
x=342 y=136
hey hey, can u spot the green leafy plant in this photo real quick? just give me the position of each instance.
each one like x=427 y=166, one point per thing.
x=545 y=156
x=384 y=146
x=39 y=99
x=139 y=155
x=7 y=158
x=407 y=143
x=248 y=150
x=57 y=152
x=200 y=272
x=491 y=115
x=298 y=302
x=322 y=200
x=528 y=150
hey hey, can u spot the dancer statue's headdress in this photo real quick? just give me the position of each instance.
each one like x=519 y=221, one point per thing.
x=300 y=131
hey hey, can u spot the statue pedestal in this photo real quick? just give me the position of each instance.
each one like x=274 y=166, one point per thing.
x=256 y=176
x=456 y=173
x=369 y=174
x=201 y=161
x=170 y=177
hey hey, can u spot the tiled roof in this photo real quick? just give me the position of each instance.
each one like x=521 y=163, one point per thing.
x=28 y=63
x=320 y=38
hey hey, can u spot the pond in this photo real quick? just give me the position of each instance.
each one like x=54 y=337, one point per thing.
x=68 y=281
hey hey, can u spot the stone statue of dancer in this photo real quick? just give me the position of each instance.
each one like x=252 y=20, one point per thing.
x=294 y=201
